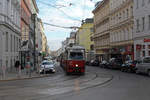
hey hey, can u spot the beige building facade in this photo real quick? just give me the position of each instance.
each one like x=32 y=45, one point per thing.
x=44 y=42
x=113 y=23
x=121 y=29
x=101 y=35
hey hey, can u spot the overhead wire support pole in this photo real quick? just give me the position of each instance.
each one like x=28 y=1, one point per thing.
x=34 y=20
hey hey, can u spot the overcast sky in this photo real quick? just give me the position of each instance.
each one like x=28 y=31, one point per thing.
x=63 y=13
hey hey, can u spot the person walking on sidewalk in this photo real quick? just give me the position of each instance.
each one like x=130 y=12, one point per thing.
x=17 y=64
x=28 y=68
x=18 y=68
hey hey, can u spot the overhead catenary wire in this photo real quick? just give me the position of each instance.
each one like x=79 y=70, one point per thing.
x=58 y=8
x=71 y=27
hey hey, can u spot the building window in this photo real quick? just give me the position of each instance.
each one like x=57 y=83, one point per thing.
x=143 y=46
x=137 y=3
x=138 y=25
x=11 y=43
x=143 y=3
x=7 y=7
x=120 y=15
x=131 y=10
x=91 y=30
x=127 y=13
x=14 y=43
x=149 y=22
x=143 y=53
x=17 y=44
x=143 y=23
x=123 y=14
x=148 y=46
x=92 y=47
x=1 y=5
x=6 y=63
x=6 y=41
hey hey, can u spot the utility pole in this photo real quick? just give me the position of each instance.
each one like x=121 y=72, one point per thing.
x=34 y=21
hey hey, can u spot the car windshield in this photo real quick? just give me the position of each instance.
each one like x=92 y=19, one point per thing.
x=76 y=55
x=47 y=63
x=146 y=60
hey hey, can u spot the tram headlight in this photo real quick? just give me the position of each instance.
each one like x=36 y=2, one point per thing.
x=76 y=65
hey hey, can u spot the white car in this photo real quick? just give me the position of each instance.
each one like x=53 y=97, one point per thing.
x=144 y=66
x=47 y=66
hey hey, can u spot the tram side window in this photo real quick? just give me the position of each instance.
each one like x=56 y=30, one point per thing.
x=76 y=55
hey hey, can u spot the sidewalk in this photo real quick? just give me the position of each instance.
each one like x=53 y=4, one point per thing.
x=23 y=75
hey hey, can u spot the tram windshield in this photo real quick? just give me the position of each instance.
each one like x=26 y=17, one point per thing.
x=76 y=56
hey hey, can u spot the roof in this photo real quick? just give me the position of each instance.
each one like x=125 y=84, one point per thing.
x=99 y=4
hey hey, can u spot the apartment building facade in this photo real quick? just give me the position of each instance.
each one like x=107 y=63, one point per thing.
x=84 y=33
x=9 y=33
x=141 y=28
x=101 y=34
x=121 y=29
x=83 y=37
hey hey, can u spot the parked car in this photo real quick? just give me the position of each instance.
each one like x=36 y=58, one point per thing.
x=143 y=66
x=104 y=64
x=115 y=63
x=94 y=62
x=47 y=67
x=129 y=66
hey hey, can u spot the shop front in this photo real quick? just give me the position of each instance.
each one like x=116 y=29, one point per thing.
x=102 y=54
x=142 y=48
x=123 y=52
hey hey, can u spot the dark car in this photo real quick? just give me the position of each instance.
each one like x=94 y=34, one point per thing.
x=104 y=64
x=129 y=66
x=115 y=63
x=94 y=62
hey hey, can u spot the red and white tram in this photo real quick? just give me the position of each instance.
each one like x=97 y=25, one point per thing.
x=73 y=60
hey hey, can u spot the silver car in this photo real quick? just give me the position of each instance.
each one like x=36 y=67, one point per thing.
x=144 y=66
x=47 y=66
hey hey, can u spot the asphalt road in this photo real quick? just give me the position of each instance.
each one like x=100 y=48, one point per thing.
x=97 y=84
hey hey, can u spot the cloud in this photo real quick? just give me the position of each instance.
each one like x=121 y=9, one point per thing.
x=55 y=44
x=65 y=15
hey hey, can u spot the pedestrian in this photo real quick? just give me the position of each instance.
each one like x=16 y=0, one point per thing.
x=17 y=64
x=28 y=68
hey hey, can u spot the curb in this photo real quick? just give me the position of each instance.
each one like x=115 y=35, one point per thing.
x=26 y=78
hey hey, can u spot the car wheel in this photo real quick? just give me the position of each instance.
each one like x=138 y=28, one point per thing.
x=122 y=69
x=137 y=72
